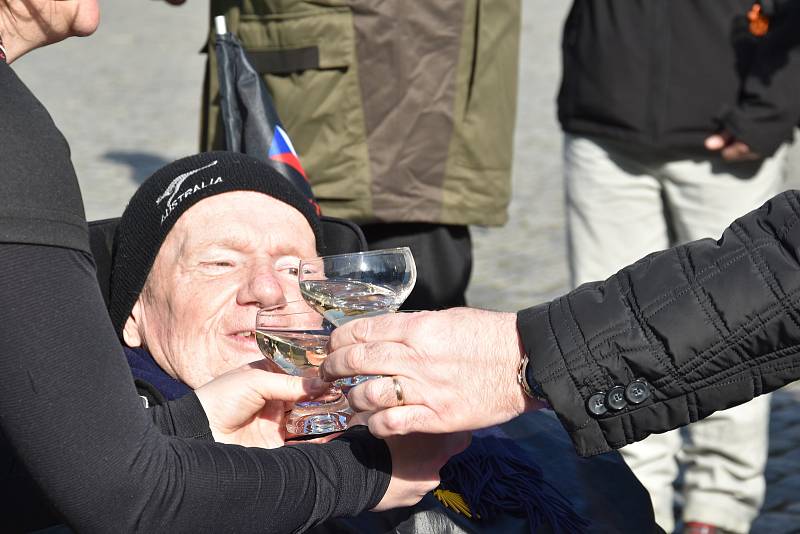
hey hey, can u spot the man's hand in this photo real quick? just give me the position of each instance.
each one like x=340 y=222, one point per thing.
x=416 y=461
x=455 y=370
x=247 y=406
x=730 y=148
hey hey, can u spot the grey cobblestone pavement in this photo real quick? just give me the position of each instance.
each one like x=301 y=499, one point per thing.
x=127 y=99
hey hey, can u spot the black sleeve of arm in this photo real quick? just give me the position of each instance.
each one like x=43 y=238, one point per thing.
x=183 y=418
x=768 y=109
x=708 y=325
x=70 y=411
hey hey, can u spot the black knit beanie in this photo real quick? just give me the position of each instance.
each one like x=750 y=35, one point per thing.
x=172 y=190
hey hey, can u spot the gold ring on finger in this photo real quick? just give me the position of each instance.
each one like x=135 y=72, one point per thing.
x=398 y=391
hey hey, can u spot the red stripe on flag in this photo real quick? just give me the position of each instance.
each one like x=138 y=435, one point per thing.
x=292 y=161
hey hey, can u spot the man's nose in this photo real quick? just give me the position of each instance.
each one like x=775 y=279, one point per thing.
x=263 y=287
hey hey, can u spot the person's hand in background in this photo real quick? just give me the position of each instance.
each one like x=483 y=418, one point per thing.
x=730 y=148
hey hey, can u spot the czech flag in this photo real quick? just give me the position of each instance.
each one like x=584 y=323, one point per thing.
x=249 y=117
x=282 y=150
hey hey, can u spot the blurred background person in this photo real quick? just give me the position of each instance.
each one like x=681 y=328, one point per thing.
x=403 y=117
x=676 y=118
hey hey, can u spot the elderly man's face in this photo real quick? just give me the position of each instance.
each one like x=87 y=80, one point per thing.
x=225 y=257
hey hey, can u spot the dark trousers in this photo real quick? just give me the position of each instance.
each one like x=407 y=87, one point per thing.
x=442 y=253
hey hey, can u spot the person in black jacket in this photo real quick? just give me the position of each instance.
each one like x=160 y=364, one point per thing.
x=69 y=414
x=665 y=342
x=676 y=116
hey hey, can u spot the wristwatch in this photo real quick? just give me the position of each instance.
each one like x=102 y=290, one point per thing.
x=531 y=389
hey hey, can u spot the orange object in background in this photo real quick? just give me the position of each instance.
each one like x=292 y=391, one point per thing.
x=758 y=21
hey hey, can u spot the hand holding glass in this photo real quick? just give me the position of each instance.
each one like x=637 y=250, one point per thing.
x=343 y=287
x=296 y=337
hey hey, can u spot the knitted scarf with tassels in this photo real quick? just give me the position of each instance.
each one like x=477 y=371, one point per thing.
x=494 y=476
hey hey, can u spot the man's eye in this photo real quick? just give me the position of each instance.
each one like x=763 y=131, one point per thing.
x=291 y=271
x=288 y=265
x=217 y=264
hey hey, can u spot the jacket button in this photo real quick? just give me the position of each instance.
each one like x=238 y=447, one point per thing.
x=597 y=403
x=637 y=391
x=616 y=398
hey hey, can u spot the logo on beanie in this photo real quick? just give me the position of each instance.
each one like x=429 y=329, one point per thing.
x=174 y=186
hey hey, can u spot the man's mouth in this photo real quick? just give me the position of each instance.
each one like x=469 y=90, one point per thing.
x=245 y=338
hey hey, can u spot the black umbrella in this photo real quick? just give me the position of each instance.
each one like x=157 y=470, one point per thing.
x=252 y=125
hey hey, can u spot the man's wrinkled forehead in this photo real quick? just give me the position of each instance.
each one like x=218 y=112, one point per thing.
x=216 y=221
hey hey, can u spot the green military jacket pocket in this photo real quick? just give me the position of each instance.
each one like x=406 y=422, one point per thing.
x=307 y=58
x=397 y=114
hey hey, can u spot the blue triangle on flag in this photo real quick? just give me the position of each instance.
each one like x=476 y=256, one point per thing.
x=280 y=143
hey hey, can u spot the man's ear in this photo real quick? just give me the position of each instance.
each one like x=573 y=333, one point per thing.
x=131 y=333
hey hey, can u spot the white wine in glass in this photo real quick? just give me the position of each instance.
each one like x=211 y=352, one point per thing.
x=345 y=286
x=296 y=339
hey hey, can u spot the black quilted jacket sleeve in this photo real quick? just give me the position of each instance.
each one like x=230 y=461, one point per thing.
x=707 y=325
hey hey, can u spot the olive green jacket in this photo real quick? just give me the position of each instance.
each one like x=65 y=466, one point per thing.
x=401 y=111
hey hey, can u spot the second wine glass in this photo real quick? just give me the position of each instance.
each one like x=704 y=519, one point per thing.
x=343 y=287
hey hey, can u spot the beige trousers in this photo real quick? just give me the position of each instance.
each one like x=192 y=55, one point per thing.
x=624 y=202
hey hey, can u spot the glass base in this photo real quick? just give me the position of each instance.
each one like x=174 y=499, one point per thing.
x=308 y=418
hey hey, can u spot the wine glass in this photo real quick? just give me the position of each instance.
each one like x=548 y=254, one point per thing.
x=295 y=337
x=343 y=287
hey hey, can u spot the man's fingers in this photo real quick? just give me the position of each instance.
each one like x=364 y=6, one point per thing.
x=265 y=364
x=403 y=420
x=275 y=386
x=730 y=149
x=387 y=327
x=360 y=418
x=715 y=142
x=380 y=393
x=381 y=358
x=738 y=151
x=718 y=141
